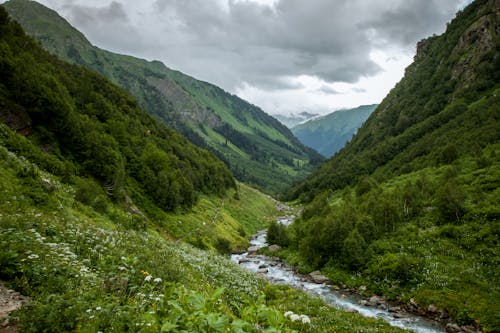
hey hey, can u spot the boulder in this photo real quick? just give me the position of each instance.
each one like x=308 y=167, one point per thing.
x=319 y=278
x=263 y=266
x=376 y=300
x=432 y=308
x=262 y=271
x=253 y=249
x=364 y=302
x=274 y=248
x=452 y=328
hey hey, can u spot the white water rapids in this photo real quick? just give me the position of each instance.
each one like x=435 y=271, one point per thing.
x=275 y=271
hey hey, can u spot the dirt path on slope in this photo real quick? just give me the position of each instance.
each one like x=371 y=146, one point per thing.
x=10 y=301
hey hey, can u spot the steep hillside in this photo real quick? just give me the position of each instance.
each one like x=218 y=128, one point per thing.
x=432 y=110
x=328 y=134
x=92 y=129
x=410 y=207
x=256 y=147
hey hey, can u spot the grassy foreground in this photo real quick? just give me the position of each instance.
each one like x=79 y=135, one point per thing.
x=90 y=272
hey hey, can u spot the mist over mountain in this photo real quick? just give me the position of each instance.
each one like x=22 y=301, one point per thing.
x=293 y=119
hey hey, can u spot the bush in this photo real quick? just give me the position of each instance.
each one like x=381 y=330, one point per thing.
x=277 y=233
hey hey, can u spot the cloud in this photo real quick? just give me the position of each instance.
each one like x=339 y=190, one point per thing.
x=327 y=90
x=267 y=45
x=407 y=21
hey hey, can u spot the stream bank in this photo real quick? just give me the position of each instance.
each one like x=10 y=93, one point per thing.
x=277 y=271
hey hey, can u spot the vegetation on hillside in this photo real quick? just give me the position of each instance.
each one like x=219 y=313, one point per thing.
x=90 y=128
x=256 y=147
x=328 y=134
x=83 y=234
x=410 y=207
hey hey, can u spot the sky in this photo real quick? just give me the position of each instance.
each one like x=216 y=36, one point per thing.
x=285 y=56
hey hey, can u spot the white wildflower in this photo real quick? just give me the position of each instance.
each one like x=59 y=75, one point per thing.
x=305 y=319
x=98 y=308
x=288 y=313
x=294 y=317
x=157 y=280
x=33 y=256
x=148 y=278
x=121 y=268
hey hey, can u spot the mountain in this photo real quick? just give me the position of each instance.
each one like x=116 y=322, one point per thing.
x=88 y=237
x=410 y=207
x=293 y=120
x=88 y=127
x=256 y=147
x=329 y=133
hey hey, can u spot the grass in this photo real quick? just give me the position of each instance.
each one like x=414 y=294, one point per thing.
x=89 y=271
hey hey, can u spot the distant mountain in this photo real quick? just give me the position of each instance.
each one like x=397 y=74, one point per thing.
x=257 y=148
x=294 y=119
x=328 y=134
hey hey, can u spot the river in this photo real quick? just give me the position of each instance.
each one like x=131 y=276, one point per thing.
x=278 y=272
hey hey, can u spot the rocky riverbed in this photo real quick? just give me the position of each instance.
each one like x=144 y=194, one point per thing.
x=409 y=316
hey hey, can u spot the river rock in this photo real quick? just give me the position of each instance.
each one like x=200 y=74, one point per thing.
x=253 y=249
x=452 y=328
x=352 y=310
x=432 y=308
x=319 y=278
x=364 y=302
x=274 y=248
x=376 y=300
x=468 y=329
x=263 y=266
x=400 y=315
x=395 y=309
x=243 y=260
x=262 y=271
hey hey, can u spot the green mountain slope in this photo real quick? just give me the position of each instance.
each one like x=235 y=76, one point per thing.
x=328 y=134
x=91 y=128
x=257 y=148
x=93 y=261
x=410 y=207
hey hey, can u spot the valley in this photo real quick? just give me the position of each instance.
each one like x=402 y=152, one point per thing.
x=135 y=198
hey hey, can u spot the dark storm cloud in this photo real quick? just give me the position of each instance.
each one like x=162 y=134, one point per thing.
x=109 y=25
x=233 y=42
x=410 y=20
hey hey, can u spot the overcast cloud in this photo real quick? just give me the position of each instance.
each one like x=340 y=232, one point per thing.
x=283 y=55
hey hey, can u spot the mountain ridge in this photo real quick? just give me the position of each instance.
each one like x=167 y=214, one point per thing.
x=256 y=147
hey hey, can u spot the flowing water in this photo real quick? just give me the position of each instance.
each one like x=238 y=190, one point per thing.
x=278 y=272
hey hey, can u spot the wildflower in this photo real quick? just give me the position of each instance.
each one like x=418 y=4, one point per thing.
x=121 y=268
x=98 y=308
x=157 y=280
x=288 y=313
x=148 y=278
x=33 y=256
x=294 y=317
x=305 y=319
x=88 y=310
x=145 y=272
